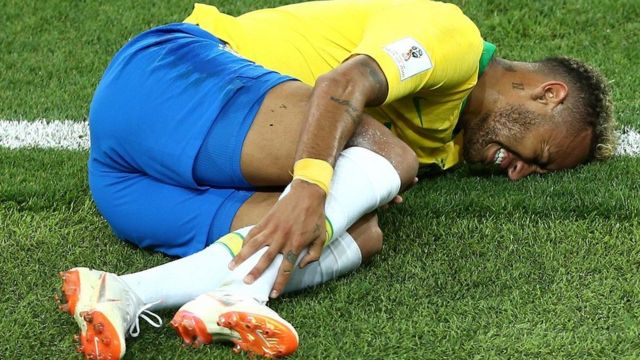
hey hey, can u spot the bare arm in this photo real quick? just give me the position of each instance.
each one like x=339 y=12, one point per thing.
x=337 y=102
x=297 y=221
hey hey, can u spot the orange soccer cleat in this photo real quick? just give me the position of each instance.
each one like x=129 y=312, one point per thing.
x=104 y=307
x=250 y=325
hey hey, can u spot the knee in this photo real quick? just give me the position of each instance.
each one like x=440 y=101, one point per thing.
x=404 y=160
x=406 y=163
x=374 y=136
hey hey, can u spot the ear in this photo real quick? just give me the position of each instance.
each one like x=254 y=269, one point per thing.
x=551 y=93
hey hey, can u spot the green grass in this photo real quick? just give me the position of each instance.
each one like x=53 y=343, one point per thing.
x=474 y=266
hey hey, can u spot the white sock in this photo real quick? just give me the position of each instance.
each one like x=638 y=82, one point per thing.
x=259 y=289
x=362 y=182
x=179 y=281
x=340 y=257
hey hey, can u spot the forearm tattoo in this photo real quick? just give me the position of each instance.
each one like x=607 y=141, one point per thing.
x=352 y=111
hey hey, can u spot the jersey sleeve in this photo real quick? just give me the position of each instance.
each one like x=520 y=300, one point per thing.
x=422 y=45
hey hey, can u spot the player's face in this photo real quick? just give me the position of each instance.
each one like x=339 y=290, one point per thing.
x=522 y=142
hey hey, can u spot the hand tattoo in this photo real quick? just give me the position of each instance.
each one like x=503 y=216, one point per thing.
x=291 y=257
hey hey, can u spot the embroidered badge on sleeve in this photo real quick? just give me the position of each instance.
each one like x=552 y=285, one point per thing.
x=410 y=57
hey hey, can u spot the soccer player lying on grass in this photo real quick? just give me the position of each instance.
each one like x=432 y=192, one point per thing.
x=194 y=125
x=106 y=306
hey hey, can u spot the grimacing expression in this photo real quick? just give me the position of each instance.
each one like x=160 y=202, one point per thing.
x=522 y=142
x=508 y=122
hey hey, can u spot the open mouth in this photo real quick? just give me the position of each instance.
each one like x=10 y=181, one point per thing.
x=499 y=157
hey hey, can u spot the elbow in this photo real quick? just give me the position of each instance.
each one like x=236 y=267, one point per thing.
x=345 y=85
x=337 y=85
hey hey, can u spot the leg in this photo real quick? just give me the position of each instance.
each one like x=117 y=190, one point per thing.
x=365 y=181
x=367 y=235
x=374 y=136
x=174 y=220
x=363 y=241
x=365 y=232
x=343 y=255
x=138 y=292
x=359 y=186
x=269 y=148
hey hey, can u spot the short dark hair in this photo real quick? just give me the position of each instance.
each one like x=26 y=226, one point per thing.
x=591 y=103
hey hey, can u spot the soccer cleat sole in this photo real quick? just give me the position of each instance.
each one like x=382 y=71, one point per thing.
x=101 y=340
x=191 y=329
x=70 y=291
x=259 y=334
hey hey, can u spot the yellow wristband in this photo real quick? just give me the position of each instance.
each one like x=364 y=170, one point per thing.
x=315 y=171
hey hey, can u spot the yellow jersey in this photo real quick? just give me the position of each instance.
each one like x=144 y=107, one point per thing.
x=429 y=52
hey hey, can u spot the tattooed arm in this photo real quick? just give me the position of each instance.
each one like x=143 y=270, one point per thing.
x=336 y=107
x=335 y=111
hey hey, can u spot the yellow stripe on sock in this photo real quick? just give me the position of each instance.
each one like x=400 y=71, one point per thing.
x=329 y=230
x=233 y=242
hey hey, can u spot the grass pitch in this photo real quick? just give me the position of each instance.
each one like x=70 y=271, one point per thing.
x=474 y=266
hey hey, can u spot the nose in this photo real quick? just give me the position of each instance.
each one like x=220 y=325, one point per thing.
x=519 y=169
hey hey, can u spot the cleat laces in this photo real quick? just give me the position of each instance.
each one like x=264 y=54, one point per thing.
x=156 y=322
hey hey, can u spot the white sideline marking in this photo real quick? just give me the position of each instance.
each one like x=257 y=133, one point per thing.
x=54 y=134
x=628 y=142
x=74 y=135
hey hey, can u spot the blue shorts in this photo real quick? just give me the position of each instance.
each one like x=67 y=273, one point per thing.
x=167 y=121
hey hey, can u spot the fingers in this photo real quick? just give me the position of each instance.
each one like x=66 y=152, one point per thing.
x=289 y=261
x=265 y=260
x=277 y=233
x=250 y=246
x=253 y=243
x=313 y=252
x=284 y=273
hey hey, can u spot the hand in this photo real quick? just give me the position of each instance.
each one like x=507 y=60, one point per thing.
x=295 y=222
